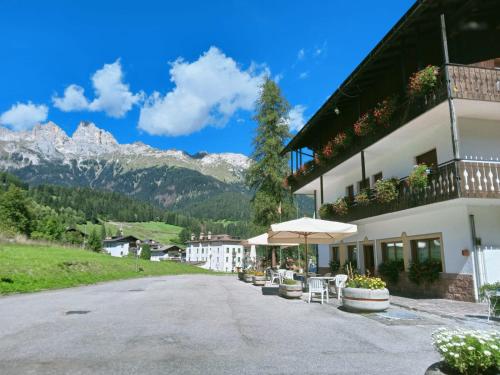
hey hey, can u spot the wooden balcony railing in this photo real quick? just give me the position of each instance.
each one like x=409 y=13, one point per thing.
x=466 y=82
x=451 y=180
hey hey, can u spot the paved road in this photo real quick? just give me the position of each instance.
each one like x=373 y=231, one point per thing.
x=198 y=325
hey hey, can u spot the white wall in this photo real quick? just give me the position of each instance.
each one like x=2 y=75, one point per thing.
x=118 y=250
x=479 y=138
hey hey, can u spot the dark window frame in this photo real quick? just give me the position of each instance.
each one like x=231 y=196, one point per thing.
x=385 y=250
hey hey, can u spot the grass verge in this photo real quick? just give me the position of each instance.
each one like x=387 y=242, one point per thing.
x=30 y=268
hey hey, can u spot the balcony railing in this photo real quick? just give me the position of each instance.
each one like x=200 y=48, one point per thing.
x=454 y=179
x=466 y=82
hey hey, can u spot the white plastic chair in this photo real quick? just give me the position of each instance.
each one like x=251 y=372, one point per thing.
x=317 y=286
x=492 y=297
x=274 y=276
x=289 y=275
x=340 y=281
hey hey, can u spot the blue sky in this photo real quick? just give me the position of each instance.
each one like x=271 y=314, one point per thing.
x=203 y=59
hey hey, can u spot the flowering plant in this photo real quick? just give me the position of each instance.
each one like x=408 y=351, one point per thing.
x=468 y=351
x=383 y=111
x=423 y=82
x=364 y=125
x=385 y=190
x=418 y=176
x=366 y=282
x=342 y=139
x=328 y=151
x=339 y=207
x=362 y=198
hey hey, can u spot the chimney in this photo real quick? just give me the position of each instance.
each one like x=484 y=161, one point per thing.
x=193 y=237
x=209 y=236
x=202 y=236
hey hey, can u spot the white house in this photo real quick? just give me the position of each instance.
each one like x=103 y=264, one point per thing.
x=168 y=252
x=453 y=128
x=119 y=246
x=218 y=252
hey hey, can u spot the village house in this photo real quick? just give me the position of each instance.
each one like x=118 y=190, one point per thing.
x=120 y=246
x=167 y=252
x=428 y=95
x=219 y=252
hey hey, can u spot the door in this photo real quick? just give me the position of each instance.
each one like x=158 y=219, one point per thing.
x=369 y=259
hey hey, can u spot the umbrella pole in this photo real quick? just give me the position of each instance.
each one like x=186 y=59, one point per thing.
x=306 y=264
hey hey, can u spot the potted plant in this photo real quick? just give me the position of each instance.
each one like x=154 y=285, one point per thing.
x=418 y=177
x=326 y=211
x=362 y=198
x=342 y=140
x=364 y=293
x=384 y=110
x=328 y=151
x=290 y=289
x=385 y=190
x=466 y=351
x=423 y=82
x=339 y=207
x=364 y=125
x=334 y=266
x=241 y=275
x=259 y=279
x=248 y=276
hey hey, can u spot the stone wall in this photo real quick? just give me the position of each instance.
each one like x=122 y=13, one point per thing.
x=458 y=287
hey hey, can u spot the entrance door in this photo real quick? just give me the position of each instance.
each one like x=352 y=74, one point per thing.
x=369 y=259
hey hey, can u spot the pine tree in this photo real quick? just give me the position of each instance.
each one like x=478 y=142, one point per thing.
x=145 y=252
x=103 y=232
x=265 y=176
x=94 y=242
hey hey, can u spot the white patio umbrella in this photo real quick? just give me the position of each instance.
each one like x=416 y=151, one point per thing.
x=262 y=240
x=307 y=230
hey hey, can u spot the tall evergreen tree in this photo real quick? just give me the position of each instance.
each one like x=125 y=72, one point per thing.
x=271 y=201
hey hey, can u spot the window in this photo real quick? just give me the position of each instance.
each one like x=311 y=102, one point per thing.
x=227 y=250
x=428 y=248
x=227 y=259
x=349 y=192
x=203 y=251
x=352 y=253
x=238 y=259
x=392 y=251
x=428 y=158
x=335 y=254
x=377 y=176
x=364 y=184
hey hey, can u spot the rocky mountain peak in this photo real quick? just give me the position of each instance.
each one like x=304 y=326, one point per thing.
x=88 y=132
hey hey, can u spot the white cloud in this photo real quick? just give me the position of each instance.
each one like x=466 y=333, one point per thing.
x=73 y=99
x=304 y=75
x=24 y=116
x=207 y=92
x=112 y=95
x=296 y=117
x=301 y=54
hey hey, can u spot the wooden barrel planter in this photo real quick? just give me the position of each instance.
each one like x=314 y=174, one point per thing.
x=259 y=280
x=290 y=291
x=248 y=278
x=368 y=300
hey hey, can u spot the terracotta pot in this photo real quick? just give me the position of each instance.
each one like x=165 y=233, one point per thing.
x=360 y=299
x=259 y=280
x=290 y=291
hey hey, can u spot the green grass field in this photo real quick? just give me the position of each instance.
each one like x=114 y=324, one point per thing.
x=161 y=232
x=30 y=268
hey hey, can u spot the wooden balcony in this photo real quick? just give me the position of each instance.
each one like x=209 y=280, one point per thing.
x=466 y=82
x=451 y=180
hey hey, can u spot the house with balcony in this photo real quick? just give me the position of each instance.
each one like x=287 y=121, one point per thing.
x=408 y=148
x=218 y=252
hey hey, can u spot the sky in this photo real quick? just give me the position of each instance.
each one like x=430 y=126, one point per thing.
x=178 y=74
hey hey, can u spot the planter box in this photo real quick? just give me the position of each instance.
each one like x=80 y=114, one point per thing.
x=241 y=275
x=290 y=291
x=248 y=278
x=259 y=280
x=360 y=299
x=270 y=290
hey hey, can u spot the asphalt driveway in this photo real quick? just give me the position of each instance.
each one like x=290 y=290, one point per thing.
x=199 y=325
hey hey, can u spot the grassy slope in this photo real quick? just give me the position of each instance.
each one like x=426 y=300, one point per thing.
x=164 y=233
x=29 y=268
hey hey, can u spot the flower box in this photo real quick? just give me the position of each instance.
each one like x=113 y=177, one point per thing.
x=290 y=290
x=365 y=300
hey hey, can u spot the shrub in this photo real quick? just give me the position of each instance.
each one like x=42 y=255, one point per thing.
x=334 y=266
x=491 y=287
x=426 y=271
x=418 y=177
x=289 y=282
x=391 y=269
x=340 y=207
x=364 y=125
x=146 y=252
x=366 y=282
x=468 y=351
x=362 y=198
x=423 y=82
x=385 y=190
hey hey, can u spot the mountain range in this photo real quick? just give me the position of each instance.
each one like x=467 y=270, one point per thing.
x=92 y=157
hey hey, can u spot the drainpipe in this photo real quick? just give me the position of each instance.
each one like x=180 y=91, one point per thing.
x=476 y=275
x=363 y=170
x=451 y=105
